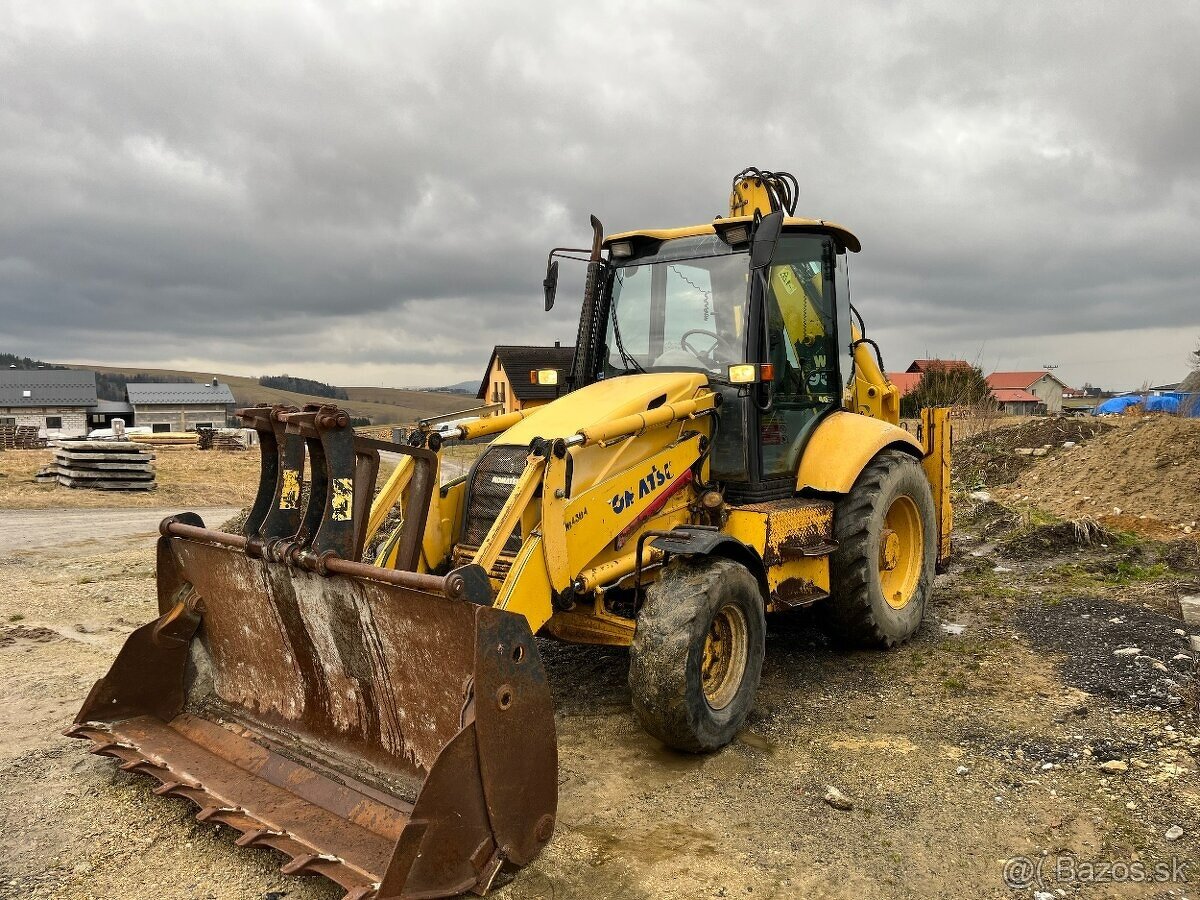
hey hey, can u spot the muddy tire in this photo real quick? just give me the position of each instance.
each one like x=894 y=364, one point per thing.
x=697 y=653
x=882 y=571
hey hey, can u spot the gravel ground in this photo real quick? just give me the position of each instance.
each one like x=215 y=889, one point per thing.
x=982 y=740
x=1133 y=656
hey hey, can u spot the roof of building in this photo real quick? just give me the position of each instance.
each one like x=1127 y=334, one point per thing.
x=519 y=361
x=924 y=365
x=905 y=382
x=112 y=407
x=47 y=387
x=1014 y=395
x=185 y=394
x=1022 y=380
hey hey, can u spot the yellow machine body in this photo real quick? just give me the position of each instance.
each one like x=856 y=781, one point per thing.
x=382 y=717
x=632 y=472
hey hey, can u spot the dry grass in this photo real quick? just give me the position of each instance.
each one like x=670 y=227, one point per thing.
x=186 y=477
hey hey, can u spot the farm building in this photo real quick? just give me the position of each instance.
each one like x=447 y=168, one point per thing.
x=102 y=414
x=54 y=400
x=181 y=407
x=1017 y=402
x=507 y=378
x=1042 y=385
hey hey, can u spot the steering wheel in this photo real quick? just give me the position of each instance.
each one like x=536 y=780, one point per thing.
x=709 y=357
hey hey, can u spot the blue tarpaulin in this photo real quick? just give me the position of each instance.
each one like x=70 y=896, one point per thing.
x=1163 y=403
x=1115 y=405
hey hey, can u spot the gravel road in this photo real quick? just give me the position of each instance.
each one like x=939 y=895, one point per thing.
x=971 y=745
x=31 y=529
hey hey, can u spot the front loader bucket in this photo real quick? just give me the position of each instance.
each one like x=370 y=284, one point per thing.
x=387 y=729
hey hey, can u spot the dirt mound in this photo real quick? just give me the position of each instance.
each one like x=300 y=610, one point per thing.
x=1146 y=467
x=991 y=458
x=1042 y=539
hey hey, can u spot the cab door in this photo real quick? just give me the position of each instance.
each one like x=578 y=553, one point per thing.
x=802 y=344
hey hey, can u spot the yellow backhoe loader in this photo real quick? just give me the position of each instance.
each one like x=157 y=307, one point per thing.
x=725 y=446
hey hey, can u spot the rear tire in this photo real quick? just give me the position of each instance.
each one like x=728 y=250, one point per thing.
x=883 y=569
x=697 y=653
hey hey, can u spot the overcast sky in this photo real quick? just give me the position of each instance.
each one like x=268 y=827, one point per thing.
x=365 y=192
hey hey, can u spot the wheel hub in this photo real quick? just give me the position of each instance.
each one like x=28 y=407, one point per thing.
x=724 y=660
x=901 y=552
x=889 y=546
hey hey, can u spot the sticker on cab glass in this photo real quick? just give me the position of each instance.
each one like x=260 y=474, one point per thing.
x=787 y=279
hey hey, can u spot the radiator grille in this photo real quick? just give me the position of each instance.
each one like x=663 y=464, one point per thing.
x=492 y=482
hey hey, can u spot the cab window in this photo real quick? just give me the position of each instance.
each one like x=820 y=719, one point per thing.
x=801 y=327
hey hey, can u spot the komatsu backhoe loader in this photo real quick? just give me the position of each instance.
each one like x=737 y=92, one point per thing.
x=726 y=446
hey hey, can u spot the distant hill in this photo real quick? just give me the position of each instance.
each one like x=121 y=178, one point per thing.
x=383 y=406
x=12 y=361
x=303 y=386
x=112 y=386
x=463 y=387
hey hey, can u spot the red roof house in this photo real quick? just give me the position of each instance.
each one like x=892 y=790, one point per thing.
x=1017 y=387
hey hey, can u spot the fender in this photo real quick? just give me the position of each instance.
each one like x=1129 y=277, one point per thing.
x=699 y=540
x=841 y=446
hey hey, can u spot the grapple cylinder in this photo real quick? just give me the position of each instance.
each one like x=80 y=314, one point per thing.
x=386 y=728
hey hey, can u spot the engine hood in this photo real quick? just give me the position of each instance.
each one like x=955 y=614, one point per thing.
x=602 y=402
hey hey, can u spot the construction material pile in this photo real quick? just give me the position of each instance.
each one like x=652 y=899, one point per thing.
x=103 y=465
x=999 y=455
x=169 y=439
x=21 y=437
x=1142 y=471
x=222 y=439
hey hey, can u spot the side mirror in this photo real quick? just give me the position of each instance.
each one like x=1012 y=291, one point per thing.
x=550 y=284
x=766 y=235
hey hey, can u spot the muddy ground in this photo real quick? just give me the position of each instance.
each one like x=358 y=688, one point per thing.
x=980 y=741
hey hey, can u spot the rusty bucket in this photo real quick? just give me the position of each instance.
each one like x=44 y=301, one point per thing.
x=385 y=728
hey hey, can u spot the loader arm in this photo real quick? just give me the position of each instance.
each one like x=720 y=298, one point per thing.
x=387 y=728
x=606 y=516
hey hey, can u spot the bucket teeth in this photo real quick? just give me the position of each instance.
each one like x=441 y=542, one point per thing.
x=304 y=860
x=252 y=838
x=137 y=764
x=307 y=862
x=215 y=813
x=169 y=788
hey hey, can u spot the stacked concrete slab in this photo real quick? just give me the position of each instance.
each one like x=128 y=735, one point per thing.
x=104 y=465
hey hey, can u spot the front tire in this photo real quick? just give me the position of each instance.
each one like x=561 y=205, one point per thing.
x=697 y=653
x=883 y=568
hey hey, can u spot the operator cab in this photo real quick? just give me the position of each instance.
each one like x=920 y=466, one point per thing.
x=690 y=299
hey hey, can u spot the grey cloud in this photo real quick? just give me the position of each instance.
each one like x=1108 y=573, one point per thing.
x=332 y=186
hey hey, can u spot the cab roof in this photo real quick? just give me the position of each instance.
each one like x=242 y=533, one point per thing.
x=792 y=223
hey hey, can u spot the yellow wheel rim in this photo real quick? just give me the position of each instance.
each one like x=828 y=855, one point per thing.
x=724 y=660
x=901 y=552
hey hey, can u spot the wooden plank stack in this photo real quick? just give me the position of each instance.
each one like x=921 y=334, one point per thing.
x=104 y=465
x=169 y=439
x=21 y=437
x=223 y=439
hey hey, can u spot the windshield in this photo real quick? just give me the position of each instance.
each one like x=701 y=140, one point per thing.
x=682 y=307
